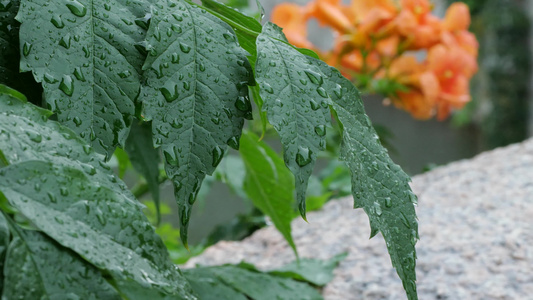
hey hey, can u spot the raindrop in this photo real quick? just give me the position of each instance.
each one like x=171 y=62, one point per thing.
x=169 y=96
x=320 y=130
x=51 y=197
x=77 y=121
x=303 y=157
x=176 y=124
x=107 y=6
x=314 y=77
x=144 y=22
x=77 y=8
x=177 y=17
x=126 y=21
x=26 y=48
x=171 y=159
x=63 y=191
x=228 y=37
x=186 y=85
x=34 y=135
x=303 y=81
x=57 y=21
x=322 y=92
x=388 y=202
x=233 y=142
x=377 y=208
x=175 y=58
x=100 y=217
x=215 y=121
x=87 y=149
x=79 y=74
x=59 y=220
x=201 y=67
x=314 y=105
x=243 y=103
x=176 y=28
x=124 y=74
x=338 y=90
x=272 y=63
x=65 y=41
x=218 y=153
x=185 y=48
x=49 y=78
x=268 y=88
x=67 y=85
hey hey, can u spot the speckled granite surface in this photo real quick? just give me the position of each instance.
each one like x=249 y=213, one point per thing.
x=476 y=230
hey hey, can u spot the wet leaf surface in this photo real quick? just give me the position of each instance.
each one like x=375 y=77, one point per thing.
x=196 y=95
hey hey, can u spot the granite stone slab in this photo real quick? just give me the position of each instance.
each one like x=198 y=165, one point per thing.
x=476 y=236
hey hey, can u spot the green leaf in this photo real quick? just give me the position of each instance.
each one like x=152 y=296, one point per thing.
x=251 y=283
x=209 y=287
x=268 y=183
x=145 y=159
x=84 y=53
x=39 y=268
x=316 y=271
x=296 y=104
x=379 y=186
x=4 y=242
x=196 y=97
x=60 y=184
x=246 y=27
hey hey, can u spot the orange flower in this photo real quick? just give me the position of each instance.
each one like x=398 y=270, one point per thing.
x=456 y=23
x=446 y=80
x=416 y=104
x=330 y=12
x=405 y=70
x=292 y=18
x=457 y=17
x=417 y=24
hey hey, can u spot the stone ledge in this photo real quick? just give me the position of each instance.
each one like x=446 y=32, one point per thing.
x=476 y=230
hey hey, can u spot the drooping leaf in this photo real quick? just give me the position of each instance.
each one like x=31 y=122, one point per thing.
x=379 y=186
x=26 y=147
x=58 y=183
x=250 y=283
x=295 y=101
x=315 y=271
x=246 y=27
x=39 y=268
x=145 y=159
x=268 y=183
x=196 y=98
x=84 y=54
x=4 y=242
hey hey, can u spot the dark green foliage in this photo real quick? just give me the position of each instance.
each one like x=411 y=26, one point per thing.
x=379 y=186
x=169 y=76
x=245 y=282
x=62 y=186
x=37 y=267
x=295 y=102
x=196 y=98
x=85 y=56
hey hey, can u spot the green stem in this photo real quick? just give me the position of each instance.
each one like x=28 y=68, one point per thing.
x=227 y=20
x=143 y=188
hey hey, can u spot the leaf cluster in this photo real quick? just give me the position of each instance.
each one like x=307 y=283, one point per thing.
x=171 y=81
